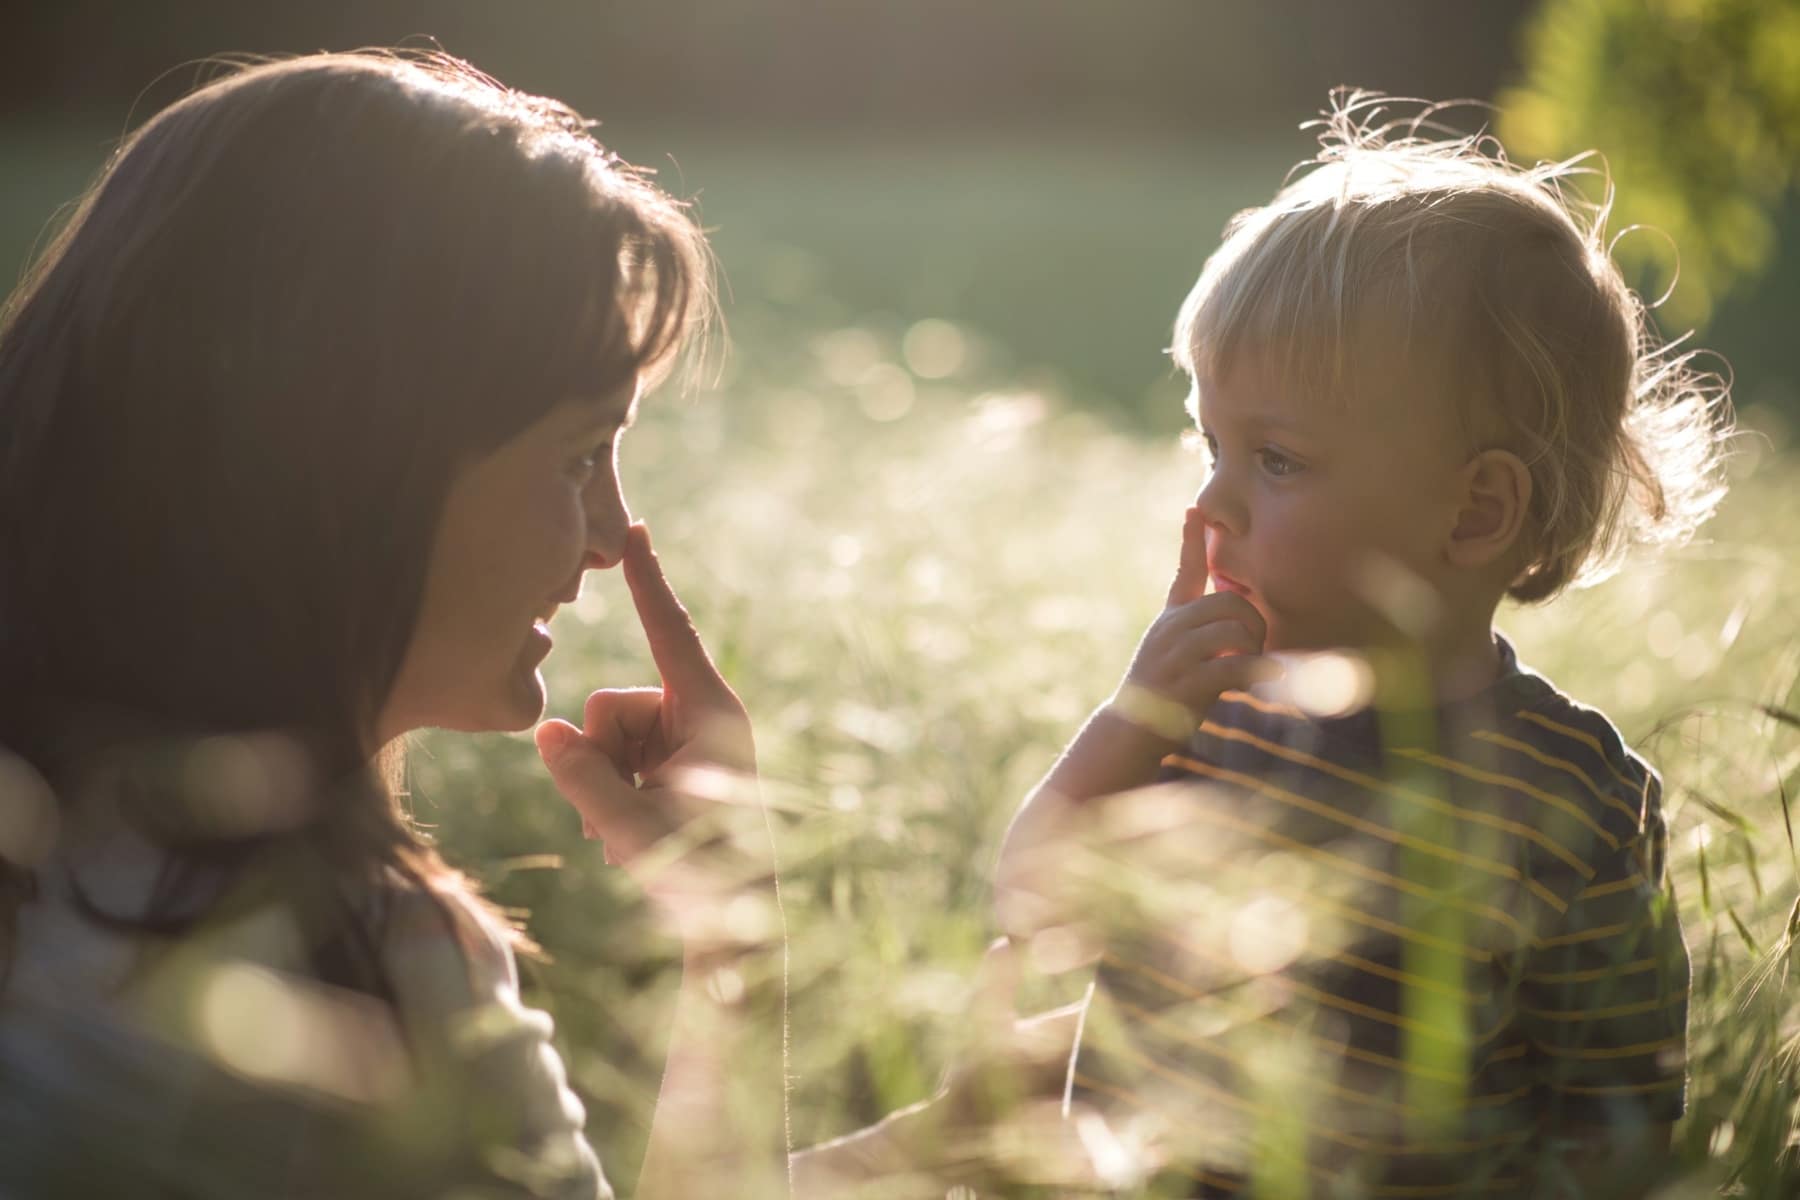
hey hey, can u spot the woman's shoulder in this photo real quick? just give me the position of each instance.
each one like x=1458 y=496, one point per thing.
x=455 y=981
x=445 y=949
x=439 y=914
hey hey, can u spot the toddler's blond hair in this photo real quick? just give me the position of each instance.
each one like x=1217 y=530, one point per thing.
x=1437 y=269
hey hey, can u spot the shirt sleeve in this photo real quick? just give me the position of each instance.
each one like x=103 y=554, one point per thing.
x=485 y=1058
x=1603 y=998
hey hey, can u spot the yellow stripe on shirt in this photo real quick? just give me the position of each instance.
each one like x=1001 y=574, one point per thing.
x=1590 y=975
x=1677 y=1042
x=1608 y=889
x=1593 y=934
x=1302 y=758
x=1585 y=738
x=1307 y=850
x=1516 y=784
x=1672 y=1083
x=1561 y=764
x=1618 y=1010
x=1263 y=706
x=1374 y=829
x=1329 y=999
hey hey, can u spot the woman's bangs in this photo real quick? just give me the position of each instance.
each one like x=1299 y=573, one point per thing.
x=642 y=303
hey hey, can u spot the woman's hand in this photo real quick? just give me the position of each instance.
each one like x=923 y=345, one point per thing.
x=668 y=777
x=654 y=770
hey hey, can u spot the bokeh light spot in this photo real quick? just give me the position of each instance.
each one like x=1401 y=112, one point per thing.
x=846 y=355
x=884 y=392
x=297 y=1033
x=1267 y=934
x=1663 y=634
x=1328 y=685
x=934 y=349
x=845 y=550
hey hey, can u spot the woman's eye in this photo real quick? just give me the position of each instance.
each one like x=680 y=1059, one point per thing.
x=1275 y=463
x=587 y=464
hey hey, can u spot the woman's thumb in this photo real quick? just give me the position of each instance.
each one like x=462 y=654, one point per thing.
x=554 y=740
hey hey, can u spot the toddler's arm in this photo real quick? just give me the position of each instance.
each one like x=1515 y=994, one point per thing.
x=1201 y=645
x=1012 y=1074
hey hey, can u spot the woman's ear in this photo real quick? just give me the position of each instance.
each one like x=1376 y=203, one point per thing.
x=1496 y=496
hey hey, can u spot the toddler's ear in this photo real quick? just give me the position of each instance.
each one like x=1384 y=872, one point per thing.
x=1496 y=496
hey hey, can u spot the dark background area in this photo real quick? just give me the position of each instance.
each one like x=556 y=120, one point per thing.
x=1167 y=65
x=1050 y=174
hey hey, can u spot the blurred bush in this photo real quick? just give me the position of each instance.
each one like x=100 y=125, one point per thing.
x=1695 y=105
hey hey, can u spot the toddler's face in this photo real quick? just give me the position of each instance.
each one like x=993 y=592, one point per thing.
x=1310 y=505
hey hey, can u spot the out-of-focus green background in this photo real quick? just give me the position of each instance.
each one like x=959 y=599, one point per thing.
x=933 y=495
x=1049 y=173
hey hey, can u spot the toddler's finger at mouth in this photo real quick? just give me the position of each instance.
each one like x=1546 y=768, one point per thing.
x=1265 y=669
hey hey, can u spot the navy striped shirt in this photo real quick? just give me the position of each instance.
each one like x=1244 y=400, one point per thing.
x=1408 y=948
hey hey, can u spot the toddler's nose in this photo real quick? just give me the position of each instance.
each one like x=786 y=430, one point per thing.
x=1217 y=509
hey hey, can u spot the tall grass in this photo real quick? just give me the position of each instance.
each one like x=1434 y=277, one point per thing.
x=920 y=578
x=921 y=566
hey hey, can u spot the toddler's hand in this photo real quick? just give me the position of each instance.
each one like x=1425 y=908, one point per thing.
x=1199 y=647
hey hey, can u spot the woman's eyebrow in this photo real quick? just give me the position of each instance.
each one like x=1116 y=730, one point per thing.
x=606 y=413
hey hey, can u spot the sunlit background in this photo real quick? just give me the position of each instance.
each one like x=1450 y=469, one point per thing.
x=933 y=492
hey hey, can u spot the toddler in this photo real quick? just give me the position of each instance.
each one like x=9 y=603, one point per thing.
x=1396 y=925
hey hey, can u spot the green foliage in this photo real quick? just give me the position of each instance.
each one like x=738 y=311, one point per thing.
x=1695 y=106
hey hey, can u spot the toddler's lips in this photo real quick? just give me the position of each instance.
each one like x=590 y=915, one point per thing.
x=1225 y=583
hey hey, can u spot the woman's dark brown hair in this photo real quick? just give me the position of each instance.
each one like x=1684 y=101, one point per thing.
x=234 y=391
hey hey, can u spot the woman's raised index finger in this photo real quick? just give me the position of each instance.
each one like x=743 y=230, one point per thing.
x=674 y=642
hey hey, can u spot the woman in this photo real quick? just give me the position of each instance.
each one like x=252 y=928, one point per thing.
x=308 y=422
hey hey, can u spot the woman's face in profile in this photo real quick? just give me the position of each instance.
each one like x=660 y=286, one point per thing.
x=518 y=530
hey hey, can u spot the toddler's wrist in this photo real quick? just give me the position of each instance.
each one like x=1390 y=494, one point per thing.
x=1151 y=712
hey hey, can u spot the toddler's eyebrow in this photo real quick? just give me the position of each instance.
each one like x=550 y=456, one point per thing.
x=1254 y=423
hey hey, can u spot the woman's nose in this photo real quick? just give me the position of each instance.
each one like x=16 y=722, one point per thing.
x=608 y=519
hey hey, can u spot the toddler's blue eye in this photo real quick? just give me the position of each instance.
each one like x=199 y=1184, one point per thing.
x=1275 y=463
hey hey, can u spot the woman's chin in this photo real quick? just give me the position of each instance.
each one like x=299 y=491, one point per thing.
x=525 y=708
x=515 y=705
x=520 y=700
